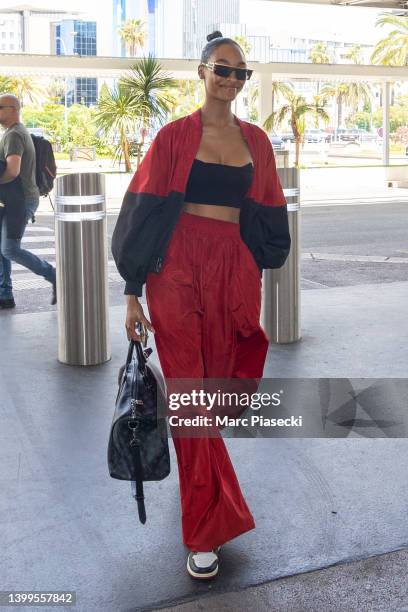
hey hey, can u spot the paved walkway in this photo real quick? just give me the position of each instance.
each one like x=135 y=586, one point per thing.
x=65 y=524
x=376 y=584
x=40 y=240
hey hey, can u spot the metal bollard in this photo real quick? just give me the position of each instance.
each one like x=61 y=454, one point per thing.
x=282 y=159
x=280 y=308
x=82 y=269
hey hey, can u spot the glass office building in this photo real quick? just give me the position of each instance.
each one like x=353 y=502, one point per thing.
x=118 y=17
x=85 y=37
x=77 y=37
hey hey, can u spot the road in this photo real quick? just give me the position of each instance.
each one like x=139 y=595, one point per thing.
x=341 y=246
x=344 y=154
x=370 y=232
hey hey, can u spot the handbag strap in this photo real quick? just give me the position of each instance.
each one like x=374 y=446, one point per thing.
x=139 y=497
x=135 y=443
x=141 y=359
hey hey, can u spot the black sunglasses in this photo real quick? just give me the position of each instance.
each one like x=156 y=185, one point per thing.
x=242 y=74
x=6 y=106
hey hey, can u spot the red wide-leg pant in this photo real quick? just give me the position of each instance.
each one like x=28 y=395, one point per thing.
x=205 y=307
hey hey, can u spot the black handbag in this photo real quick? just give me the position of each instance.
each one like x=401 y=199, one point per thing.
x=138 y=448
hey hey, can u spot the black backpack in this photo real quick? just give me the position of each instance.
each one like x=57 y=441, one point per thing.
x=45 y=166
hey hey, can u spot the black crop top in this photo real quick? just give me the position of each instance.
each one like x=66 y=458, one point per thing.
x=211 y=183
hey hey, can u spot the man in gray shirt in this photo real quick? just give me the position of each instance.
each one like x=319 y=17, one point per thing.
x=17 y=150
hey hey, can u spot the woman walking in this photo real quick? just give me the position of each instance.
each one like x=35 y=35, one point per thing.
x=203 y=215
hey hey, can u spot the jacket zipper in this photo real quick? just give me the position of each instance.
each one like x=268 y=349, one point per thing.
x=159 y=263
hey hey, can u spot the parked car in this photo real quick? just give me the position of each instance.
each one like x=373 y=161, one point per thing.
x=312 y=135
x=316 y=135
x=366 y=135
x=287 y=137
x=278 y=143
x=347 y=135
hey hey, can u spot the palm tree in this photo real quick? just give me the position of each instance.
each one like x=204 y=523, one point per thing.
x=279 y=90
x=24 y=87
x=319 y=55
x=27 y=89
x=6 y=84
x=393 y=49
x=148 y=88
x=116 y=114
x=338 y=91
x=358 y=92
x=350 y=93
x=296 y=111
x=318 y=102
x=243 y=43
x=347 y=93
x=133 y=35
x=354 y=54
x=56 y=89
x=189 y=96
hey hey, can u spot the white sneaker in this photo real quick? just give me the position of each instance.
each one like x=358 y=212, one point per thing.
x=203 y=564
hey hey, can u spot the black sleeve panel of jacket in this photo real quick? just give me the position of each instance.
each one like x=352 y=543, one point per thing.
x=268 y=234
x=264 y=215
x=135 y=237
x=133 y=245
x=274 y=247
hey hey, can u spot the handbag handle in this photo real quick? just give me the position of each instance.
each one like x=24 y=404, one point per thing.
x=141 y=354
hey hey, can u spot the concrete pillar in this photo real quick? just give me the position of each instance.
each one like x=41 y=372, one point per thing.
x=265 y=97
x=25 y=20
x=386 y=123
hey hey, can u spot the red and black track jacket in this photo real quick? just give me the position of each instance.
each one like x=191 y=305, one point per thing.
x=155 y=198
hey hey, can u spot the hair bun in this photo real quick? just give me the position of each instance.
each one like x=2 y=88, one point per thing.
x=216 y=34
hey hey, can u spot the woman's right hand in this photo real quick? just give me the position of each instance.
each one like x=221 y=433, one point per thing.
x=135 y=314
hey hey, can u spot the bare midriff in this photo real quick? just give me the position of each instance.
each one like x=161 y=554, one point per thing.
x=222 y=213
